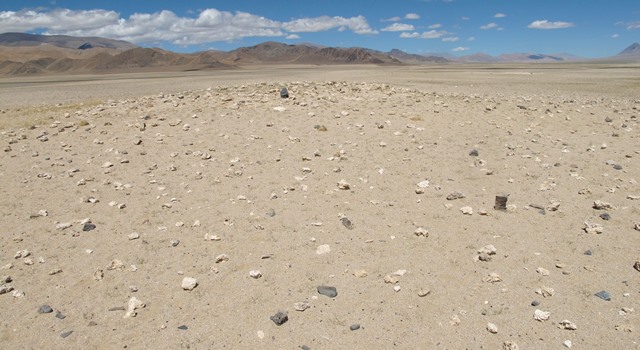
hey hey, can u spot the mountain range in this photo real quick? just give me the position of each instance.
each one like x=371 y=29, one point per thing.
x=28 y=54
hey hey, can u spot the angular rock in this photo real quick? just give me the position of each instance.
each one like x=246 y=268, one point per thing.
x=331 y=292
x=189 y=283
x=540 y=315
x=132 y=306
x=280 y=317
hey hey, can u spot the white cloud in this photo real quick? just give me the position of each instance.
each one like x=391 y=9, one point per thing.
x=450 y=39
x=460 y=49
x=544 y=24
x=292 y=36
x=464 y=18
x=633 y=25
x=398 y=27
x=471 y=38
x=614 y=36
x=357 y=24
x=435 y=26
x=432 y=34
x=412 y=16
x=391 y=19
x=499 y=15
x=210 y=25
x=489 y=26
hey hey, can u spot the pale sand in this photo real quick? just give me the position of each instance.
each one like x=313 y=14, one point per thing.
x=541 y=135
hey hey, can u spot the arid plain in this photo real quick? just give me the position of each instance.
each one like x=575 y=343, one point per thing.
x=117 y=189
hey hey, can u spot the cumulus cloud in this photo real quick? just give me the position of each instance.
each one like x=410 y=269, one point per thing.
x=432 y=34
x=210 y=25
x=633 y=25
x=412 y=16
x=357 y=24
x=471 y=38
x=435 y=26
x=450 y=39
x=489 y=26
x=544 y=24
x=391 y=19
x=292 y=36
x=499 y=15
x=460 y=49
x=398 y=27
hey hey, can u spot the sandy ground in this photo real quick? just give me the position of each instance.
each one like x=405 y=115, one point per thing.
x=378 y=181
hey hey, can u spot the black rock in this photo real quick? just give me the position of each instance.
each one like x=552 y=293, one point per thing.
x=617 y=166
x=605 y=216
x=347 y=223
x=331 y=292
x=354 y=327
x=474 y=153
x=535 y=303
x=501 y=203
x=608 y=119
x=604 y=295
x=66 y=334
x=280 y=318
x=588 y=252
x=183 y=327
x=304 y=347
x=284 y=93
x=88 y=226
x=45 y=309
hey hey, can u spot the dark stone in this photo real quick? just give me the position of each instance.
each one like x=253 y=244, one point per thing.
x=59 y=315
x=474 y=153
x=117 y=308
x=604 y=295
x=347 y=223
x=88 y=226
x=331 y=292
x=605 y=216
x=45 y=309
x=183 y=327
x=271 y=213
x=284 y=93
x=588 y=252
x=280 y=317
x=501 y=203
x=66 y=334
x=608 y=119
x=304 y=347
x=354 y=327
x=92 y=323
x=617 y=166
x=535 y=303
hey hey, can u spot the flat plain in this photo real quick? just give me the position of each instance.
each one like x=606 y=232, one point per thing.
x=378 y=181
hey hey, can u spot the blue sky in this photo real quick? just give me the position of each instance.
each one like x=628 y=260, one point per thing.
x=588 y=28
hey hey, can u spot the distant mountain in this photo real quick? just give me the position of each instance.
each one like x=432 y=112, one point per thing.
x=632 y=51
x=64 y=41
x=413 y=58
x=478 y=58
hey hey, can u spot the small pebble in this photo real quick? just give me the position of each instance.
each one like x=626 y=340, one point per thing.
x=60 y=316
x=66 y=334
x=183 y=327
x=280 y=317
x=45 y=309
x=535 y=303
x=88 y=226
x=323 y=249
x=255 y=274
x=331 y=292
x=354 y=327
x=189 y=283
x=347 y=223
x=605 y=216
x=567 y=344
x=492 y=328
x=604 y=295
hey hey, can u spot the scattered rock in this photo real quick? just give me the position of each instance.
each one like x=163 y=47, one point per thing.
x=540 y=315
x=221 y=258
x=45 y=309
x=88 y=226
x=467 y=210
x=542 y=271
x=423 y=292
x=593 y=228
x=346 y=223
x=323 y=249
x=567 y=344
x=183 y=327
x=604 y=295
x=255 y=274
x=189 y=283
x=455 y=195
x=343 y=185
x=354 y=327
x=501 y=203
x=492 y=328
x=133 y=235
x=301 y=306
x=485 y=253
x=421 y=232
x=474 y=152
x=600 y=205
x=636 y=265
x=132 y=306
x=331 y=292
x=284 y=93
x=66 y=334
x=568 y=325
x=509 y=345
x=605 y=216
x=280 y=317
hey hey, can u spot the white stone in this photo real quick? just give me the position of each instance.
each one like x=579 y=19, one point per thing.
x=492 y=328
x=132 y=305
x=323 y=249
x=133 y=235
x=467 y=210
x=189 y=283
x=540 y=315
x=423 y=184
x=567 y=343
x=255 y=274
x=566 y=324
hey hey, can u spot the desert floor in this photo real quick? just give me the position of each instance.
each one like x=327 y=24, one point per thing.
x=378 y=181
